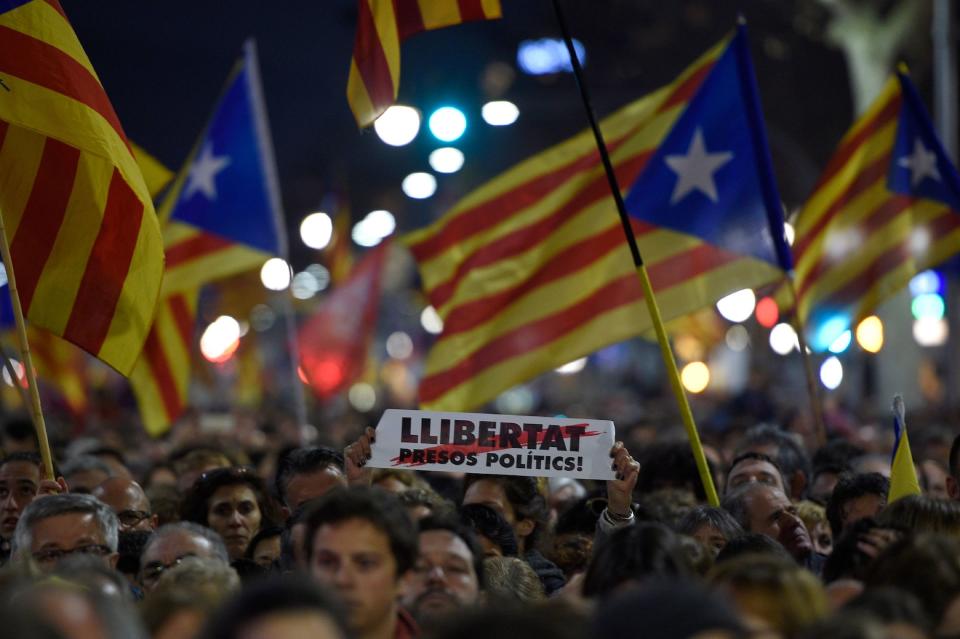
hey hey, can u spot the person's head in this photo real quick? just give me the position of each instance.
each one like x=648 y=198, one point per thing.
x=171 y=543
x=856 y=497
x=919 y=513
x=308 y=473
x=785 y=450
x=424 y=502
x=574 y=533
x=233 y=502
x=185 y=597
x=129 y=502
x=634 y=554
x=19 y=481
x=75 y=612
x=114 y=459
x=900 y=612
x=293 y=555
x=510 y=581
x=361 y=543
x=771 y=593
x=516 y=499
x=669 y=609
x=494 y=532
x=264 y=548
x=130 y=546
x=396 y=480
x=19 y=436
x=752 y=466
x=849 y=559
x=669 y=465
x=448 y=573
x=190 y=464
x=814 y=517
x=84 y=473
x=953 y=477
x=289 y=608
x=763 y=509
x=55 y=526
x=713 y=527
x=751 y=544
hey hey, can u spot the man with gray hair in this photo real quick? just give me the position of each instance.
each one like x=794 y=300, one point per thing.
x=171 y=543
x=56 y=526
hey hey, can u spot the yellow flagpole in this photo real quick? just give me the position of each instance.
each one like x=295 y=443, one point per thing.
x=36 y=412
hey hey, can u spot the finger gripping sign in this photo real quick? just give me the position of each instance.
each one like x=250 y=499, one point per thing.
x=494 y=444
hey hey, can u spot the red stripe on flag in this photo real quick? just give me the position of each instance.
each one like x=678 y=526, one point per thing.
x=107 y=267
x=622 y=291
x=196 y=247
x=183 y=318
x=687 y=88
x=162 y=376
x=471 y=10
x=523 y=239
x=42 y=64
x=409 y=18
x=43 y=216
x=878 y=217
x=864 y=180
x=371 y=60
x=849 y=147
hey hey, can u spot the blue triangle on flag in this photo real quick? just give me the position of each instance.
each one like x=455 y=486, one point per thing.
x=711 y=175
x=230 y=188
x=919 y=166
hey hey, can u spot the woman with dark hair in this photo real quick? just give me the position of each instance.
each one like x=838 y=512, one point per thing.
x=234 y=503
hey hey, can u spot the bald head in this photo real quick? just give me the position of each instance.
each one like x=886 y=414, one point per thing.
x=128 y=501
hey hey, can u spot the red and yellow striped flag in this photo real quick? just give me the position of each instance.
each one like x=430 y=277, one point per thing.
x=381 y=26
x=532 y=271
x=340 y=261
x=84 y=238
x=885 y=208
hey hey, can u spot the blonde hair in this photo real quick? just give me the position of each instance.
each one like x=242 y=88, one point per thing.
x=811 y=514
x=511 y=581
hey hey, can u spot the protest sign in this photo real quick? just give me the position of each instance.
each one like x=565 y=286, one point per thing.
x=494 y=444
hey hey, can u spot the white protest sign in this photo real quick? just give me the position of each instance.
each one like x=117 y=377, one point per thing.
x=494 y=444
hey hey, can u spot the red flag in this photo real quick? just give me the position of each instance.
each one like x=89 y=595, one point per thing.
x=333 y=343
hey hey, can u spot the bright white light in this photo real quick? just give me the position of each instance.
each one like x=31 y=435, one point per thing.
x=500 y=113
x=363 y=235
x=446 y=159
x=275 y=274
x=17 y=368
x=831 y=373
x=398 y=125
x=3 y=274
x=362 y=397
x=447 y=123
x=399 y=345
x=548 y=55
x=516 y=401
x=789 y=232
x=695 y=377
x=419 y=186
x=842 y=342
x=316 y=230
x=783 y=339
x=737 y=338
x=737 y=307
x=304 y=285
x=573 y=367
x=220 y=339
x=919 y=242
x=931 y=331
x=382 y=222
x=431 y=321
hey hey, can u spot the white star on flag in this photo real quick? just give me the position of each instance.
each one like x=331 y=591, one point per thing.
x=203 y=171
x=922 y=163
x=695 y=169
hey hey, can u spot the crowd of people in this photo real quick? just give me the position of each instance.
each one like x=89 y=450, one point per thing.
x=292 y=541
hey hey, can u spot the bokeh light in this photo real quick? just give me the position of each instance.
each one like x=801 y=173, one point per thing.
x=500 y=113
x=220 y=340
x=831 y=373
x=737 y=307
x=398 y=125
x=316 y=230
x=447 y=123
x=446 y=159
x=783 y=339
x=869 y=334
x=695 y=377
x=276 y=274
x=419 y=186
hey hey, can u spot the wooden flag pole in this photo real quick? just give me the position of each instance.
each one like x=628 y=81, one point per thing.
x=674 y=375
x=800 y=328
x=36 y=412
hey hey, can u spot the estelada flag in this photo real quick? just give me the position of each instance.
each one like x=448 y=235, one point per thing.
x=886 y=207
x=333 y=342
x=84 y=239
x=382 y=25
x=532 y=271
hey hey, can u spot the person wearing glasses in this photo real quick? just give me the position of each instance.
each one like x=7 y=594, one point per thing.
x=129 y=502
x=57 y=526
x=172 y=543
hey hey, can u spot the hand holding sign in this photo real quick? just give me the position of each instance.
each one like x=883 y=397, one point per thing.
x=491 y=444
x=620 y=489
x=355 y=457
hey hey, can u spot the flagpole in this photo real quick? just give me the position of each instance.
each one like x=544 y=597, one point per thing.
x=36 y=412
x=648 y=295
x=800 y=328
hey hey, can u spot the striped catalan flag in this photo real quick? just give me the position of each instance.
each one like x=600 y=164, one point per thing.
x=61 y=364
x=885 y=208
x=340 y=260
x=532 y=271
x=84 y=238
x=382 y=25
